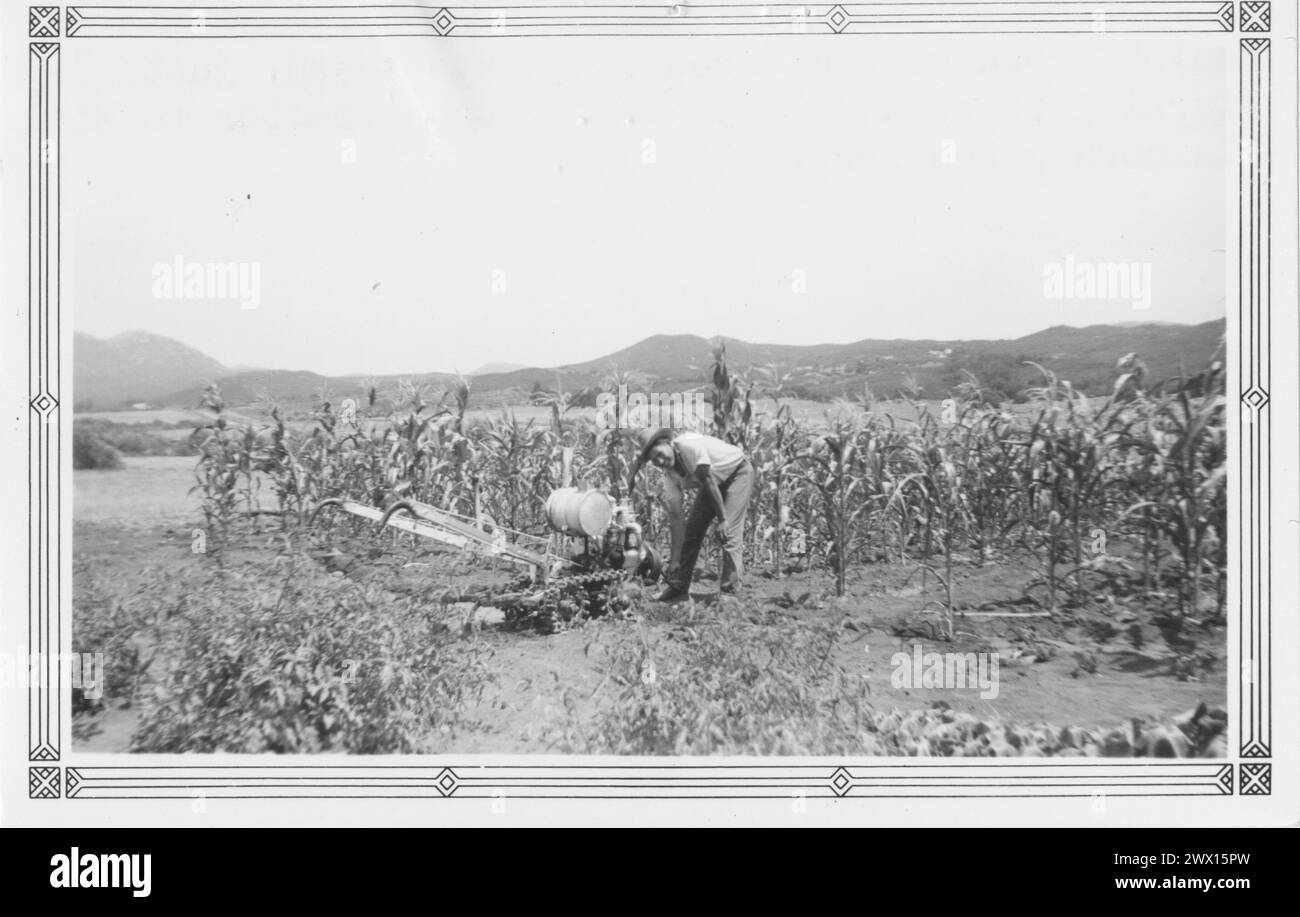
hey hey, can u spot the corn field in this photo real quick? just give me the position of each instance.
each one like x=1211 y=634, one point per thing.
x=1122 y=494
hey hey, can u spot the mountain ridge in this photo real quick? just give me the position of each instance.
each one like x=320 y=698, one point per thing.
x=134 y=366
x=674 y=362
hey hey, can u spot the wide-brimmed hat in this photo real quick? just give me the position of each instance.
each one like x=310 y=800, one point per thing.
x=651 y=438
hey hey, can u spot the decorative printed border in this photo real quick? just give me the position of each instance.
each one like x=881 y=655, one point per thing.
x=44 y=428
x=781 y=781
x=662 y=19
x=1256 y=779
x=1255 y=609
x=917 y=779
x=43 y=782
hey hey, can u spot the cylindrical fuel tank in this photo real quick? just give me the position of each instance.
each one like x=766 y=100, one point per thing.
x=579 y=512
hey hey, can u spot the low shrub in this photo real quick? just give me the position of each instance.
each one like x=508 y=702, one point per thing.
x=137 y=439
x=309 y=664
x=112 y=630
x=731 y=686
x=90 y=452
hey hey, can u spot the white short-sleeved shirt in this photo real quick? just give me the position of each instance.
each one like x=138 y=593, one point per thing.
x=698 y=449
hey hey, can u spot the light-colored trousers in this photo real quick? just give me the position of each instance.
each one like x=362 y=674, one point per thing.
x=735 y=498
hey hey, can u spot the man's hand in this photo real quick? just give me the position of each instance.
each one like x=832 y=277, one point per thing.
x=723 y=538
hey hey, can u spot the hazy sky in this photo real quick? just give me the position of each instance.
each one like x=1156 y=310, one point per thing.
x=547 y=201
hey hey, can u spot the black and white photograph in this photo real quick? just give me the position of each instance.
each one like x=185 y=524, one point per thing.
x=769 y=405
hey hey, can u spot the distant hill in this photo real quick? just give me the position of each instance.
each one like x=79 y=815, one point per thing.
x=284 y=386
x=133 y=367
x=490 y=368
x=1084 y=356
x=931 y=368
x=1168 y=350
x=683 y=360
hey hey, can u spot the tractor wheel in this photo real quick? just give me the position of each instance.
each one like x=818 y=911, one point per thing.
x=651 y=568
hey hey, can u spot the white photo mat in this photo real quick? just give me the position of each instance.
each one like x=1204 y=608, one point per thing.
x=47 y=782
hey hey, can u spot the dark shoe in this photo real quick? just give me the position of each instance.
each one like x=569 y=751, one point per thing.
x=673 y=594
x=729 y=589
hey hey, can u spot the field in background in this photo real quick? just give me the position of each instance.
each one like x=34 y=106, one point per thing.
x=173 y=424
x=146 y=490
x=162 y=416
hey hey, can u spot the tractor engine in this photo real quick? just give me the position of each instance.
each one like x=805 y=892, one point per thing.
x=610 y=535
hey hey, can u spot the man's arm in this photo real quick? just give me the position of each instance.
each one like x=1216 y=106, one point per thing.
x=704 y=475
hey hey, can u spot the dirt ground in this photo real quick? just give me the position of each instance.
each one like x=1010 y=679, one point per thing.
x=1099 y=666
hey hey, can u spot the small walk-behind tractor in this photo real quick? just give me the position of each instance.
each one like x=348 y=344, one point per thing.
x=581 y=569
